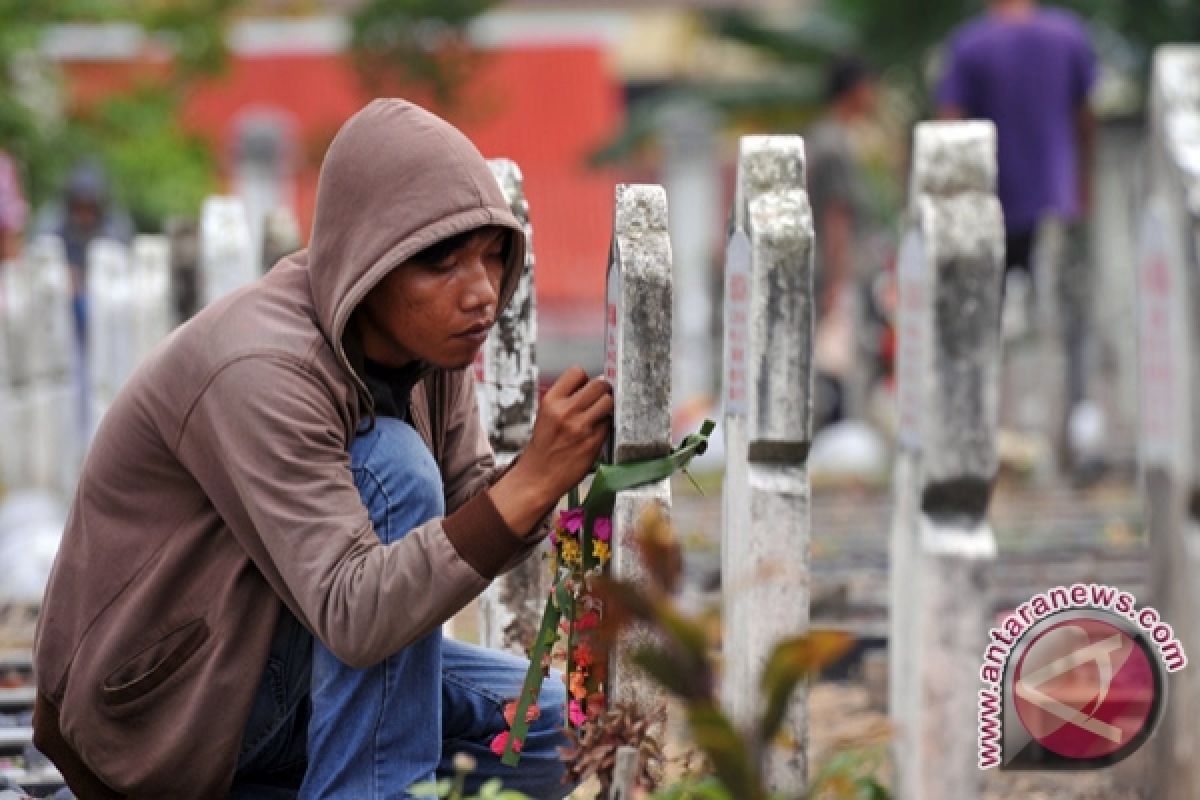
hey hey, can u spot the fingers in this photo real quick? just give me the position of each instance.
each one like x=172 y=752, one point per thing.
x=599 y=414
x=572 y=379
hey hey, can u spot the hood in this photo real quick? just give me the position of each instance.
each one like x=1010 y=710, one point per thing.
x=87 y=182
x=396 y=180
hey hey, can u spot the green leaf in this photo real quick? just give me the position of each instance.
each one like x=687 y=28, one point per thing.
x=726 y=750
x=667 y=670
x=871 y=789
x=789 y=662
x=430 y=788
x=708 y=788
x=533 y=681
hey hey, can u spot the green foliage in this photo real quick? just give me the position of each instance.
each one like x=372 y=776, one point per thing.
x=154 y=167
x=448 y=789
x=421 y=42
x=678 y=661
x=900 y=43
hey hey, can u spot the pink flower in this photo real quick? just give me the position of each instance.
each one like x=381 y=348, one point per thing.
x=576 y=714
x=554 y=537
x=500 y=742
x=602 y=528
x=571 y=520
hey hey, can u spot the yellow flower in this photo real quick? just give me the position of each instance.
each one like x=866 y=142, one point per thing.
x=570 y=551
x=600 y=551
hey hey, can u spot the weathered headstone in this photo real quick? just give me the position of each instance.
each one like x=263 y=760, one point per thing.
x=507 y=377
x=281 y=236
x=942 y=546
x=638 y=363
x=228 y=258
x=152 y=292
x=44 y=402
x=183 y=248
x=768 y=430
x=112 y=323
x=1169 y=337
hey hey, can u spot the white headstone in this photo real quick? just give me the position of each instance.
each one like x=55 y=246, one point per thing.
x=228 y=257
x=507 y=379
x=942 y=548
x=640 y=313
x=768 y=346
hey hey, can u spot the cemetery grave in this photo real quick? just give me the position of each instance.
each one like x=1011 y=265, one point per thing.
x=917 y=568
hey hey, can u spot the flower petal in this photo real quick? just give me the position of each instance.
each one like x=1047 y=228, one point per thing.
x=602 y=528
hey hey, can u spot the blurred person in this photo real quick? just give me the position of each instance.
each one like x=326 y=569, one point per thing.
x=292 y=494
x=14 y=211
x=838 y=193
x=86 y=212
x=1030 y=70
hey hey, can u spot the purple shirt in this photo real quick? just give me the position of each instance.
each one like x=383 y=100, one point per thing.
x=1029 y=76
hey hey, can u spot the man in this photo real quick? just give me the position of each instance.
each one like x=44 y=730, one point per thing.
x=85 y=213
x=838 y=195
x=1030 y=70
x=291 y=496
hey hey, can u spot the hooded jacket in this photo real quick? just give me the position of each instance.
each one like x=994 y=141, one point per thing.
x=218 y=488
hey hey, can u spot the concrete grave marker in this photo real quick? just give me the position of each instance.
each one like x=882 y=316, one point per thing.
x=228 y=258
x=942 y=547
x=640 y=318
x=768 y=429
x=507 y=379
x=1169 y=430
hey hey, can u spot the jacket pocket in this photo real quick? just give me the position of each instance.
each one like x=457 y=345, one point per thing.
x=147 y=670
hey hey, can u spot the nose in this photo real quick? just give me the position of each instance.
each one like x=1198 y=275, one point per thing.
x=482 y=288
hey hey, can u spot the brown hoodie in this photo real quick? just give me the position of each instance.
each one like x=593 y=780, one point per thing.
x=218 y=487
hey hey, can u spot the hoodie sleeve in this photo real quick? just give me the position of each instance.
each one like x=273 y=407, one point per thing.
x=275 y=466
x=469 y=467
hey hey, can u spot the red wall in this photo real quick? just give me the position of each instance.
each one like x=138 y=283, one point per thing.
x=545 y=107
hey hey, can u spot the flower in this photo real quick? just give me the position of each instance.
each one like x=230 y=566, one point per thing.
x=587 y=621
x=578 y=689
x=602 y=528
x=569 y=550
x=510 y=712
x=600 y=551
x=583 y=655
x=570 y=520
x=575 y=713
x=500 y=742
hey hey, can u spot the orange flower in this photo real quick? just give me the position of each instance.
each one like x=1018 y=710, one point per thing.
x=583 y=655
x=578 y=688
x=510 y=712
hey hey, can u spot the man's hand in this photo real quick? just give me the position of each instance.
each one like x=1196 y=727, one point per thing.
x=572 y=424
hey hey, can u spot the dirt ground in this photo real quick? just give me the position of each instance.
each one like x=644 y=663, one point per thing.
x=839 y=713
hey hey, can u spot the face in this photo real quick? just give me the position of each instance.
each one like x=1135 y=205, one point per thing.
x=437 y=309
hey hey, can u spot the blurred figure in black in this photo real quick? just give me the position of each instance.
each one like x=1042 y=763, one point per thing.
x=839 y=197
x=86 y=212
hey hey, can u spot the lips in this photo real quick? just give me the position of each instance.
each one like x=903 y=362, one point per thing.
x=476 y=333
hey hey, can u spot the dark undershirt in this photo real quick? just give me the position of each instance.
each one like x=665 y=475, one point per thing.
x=390 y=387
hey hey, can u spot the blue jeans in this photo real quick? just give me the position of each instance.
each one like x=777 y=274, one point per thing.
x=320 y=729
